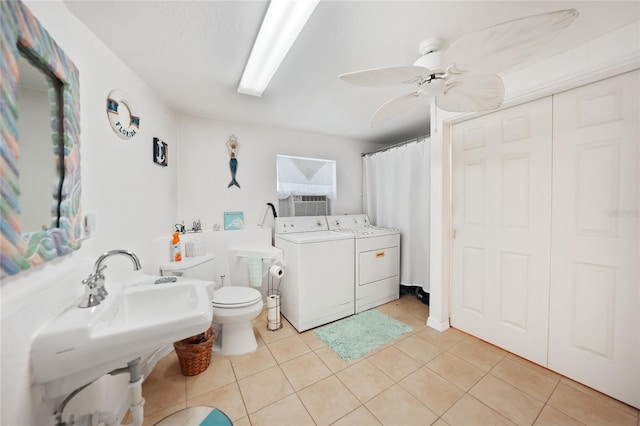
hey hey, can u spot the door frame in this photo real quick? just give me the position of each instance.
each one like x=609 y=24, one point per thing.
x=561 y=73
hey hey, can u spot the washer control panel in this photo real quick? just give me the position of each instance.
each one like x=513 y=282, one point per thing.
x=289 y=225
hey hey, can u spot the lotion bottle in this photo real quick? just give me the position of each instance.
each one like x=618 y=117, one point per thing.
x=176 y=252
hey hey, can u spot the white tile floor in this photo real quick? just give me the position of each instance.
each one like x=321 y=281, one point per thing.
x=422 y=378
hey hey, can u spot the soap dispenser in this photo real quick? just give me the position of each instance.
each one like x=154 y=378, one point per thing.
x=176 y=249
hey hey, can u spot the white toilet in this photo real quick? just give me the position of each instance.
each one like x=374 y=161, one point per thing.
x=234 y=306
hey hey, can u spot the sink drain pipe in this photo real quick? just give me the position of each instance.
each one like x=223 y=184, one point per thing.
x=135 y=390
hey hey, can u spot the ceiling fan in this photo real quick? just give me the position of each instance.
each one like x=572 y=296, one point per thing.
x=463 y=77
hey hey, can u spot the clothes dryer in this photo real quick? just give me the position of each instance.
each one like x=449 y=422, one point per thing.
x=318 y=287
x=377 y=259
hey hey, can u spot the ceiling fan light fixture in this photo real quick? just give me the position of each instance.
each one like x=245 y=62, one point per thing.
x=430 y=89
x=282 y=24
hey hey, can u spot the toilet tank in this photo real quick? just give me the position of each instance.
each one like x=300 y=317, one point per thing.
x=197 y=267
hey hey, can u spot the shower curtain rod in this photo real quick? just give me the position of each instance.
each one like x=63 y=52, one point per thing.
x=399 y=144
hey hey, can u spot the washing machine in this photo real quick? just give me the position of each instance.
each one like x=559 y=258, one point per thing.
x=377 y=259
x=318 y=287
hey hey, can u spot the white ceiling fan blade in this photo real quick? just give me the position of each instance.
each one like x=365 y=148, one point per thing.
x=395 y=107
x=386 y=76
x=471 y=93
x=503 y=46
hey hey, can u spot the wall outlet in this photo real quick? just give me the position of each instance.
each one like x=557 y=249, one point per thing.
x=89 y=224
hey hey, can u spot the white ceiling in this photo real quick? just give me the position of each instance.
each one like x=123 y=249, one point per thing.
x=193 y=54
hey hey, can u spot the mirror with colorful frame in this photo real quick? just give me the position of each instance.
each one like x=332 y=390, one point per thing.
x=22 y=34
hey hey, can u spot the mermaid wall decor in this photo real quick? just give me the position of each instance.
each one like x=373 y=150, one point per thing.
x=233 y=146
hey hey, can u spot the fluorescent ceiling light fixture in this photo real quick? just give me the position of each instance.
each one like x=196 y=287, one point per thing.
x=281 y=26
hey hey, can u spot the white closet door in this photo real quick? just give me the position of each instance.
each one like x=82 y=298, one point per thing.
x=594 y=331
x=501 y=216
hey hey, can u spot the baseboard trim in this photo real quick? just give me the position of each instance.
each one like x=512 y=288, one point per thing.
x=438 y=325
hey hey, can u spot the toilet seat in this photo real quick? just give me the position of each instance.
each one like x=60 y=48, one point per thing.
x=235 y=297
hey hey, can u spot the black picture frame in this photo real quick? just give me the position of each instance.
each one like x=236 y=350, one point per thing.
x=160 y=152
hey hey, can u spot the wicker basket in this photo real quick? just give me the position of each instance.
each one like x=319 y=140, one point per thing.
x=194 y=353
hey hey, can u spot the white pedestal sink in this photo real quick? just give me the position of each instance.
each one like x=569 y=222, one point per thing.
x=83 y=344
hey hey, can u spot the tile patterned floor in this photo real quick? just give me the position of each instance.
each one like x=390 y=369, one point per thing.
x=422 y=378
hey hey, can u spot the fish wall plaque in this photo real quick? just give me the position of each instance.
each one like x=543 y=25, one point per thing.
x=233 y=146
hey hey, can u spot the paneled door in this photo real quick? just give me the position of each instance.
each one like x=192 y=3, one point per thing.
x=502 y=227
x=594 y=321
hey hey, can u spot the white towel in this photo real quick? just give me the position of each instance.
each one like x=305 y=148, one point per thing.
x=255 y=271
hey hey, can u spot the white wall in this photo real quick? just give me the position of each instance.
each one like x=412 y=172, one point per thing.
x=605 y=56
x=133 y=200
x=203 y=165
x=136 y=201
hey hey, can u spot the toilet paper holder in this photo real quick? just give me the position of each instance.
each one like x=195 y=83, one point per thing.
x=276 y=270
x=274 y=318
x=274 y=298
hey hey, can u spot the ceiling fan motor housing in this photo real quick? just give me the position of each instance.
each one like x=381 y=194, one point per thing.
x=431 y=61
x=429 y=45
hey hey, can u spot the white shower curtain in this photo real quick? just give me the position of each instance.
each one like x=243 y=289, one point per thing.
x=396 y=195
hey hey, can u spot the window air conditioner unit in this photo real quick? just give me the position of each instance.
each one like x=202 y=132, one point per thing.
x=305 y=205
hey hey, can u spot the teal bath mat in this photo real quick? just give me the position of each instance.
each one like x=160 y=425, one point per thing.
x=359 y=334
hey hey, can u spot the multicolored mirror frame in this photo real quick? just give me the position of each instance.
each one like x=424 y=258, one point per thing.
x=24 y=249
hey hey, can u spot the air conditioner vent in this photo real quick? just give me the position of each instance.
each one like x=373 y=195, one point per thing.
x=305 y=205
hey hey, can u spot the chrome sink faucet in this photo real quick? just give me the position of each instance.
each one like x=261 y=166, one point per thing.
x=96 y=291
